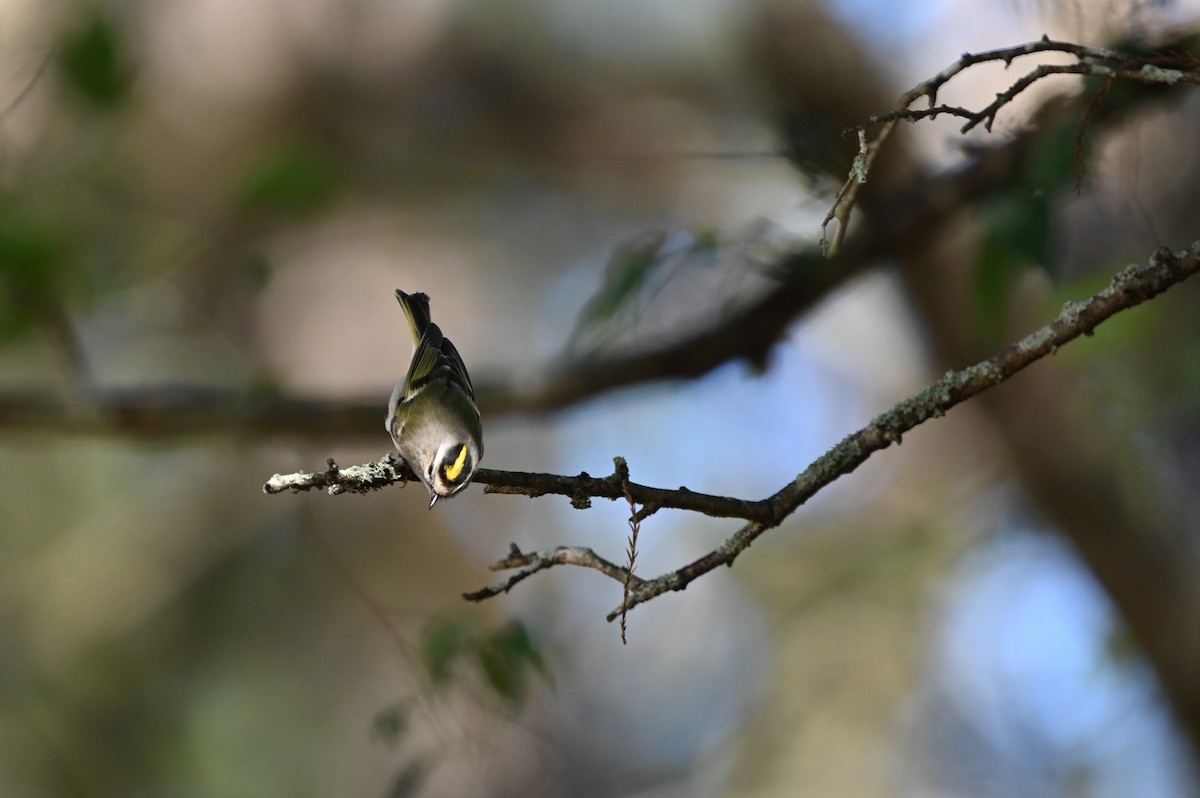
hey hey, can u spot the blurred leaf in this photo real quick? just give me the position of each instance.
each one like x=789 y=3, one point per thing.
x=31 y=257
x=30 y=251
x=443 y=642
x=504 y=674
x=1017 y=232
x=707 y=244
x=506 y=657
x=292 y=179
x=627 y=271
x=92 y=60
x=410 y=780
x=1051 y=165
x=995 y=273
x=15 y=320
x=256 y=270
x=392 y=722
x=514 y=638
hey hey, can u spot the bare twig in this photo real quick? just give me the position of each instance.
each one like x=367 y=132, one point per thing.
x=524 y=565
x=1094 y=61
x=1130 y=287
x=25 y=91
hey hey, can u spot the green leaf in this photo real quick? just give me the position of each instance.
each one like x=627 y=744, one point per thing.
x=93 y=62
x=1051 y=165
x=628 y=268
x=31 y=251
x=291 y=179
x=16 y=321
x=256 y=270
x=32 y=255
x=1017 y=224
x=443 y=642
x=506 y=656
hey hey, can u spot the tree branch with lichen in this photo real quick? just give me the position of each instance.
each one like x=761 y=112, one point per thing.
x=1128 y=288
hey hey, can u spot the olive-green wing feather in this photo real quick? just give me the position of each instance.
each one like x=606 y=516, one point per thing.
x=427 y=361
x=459 y=368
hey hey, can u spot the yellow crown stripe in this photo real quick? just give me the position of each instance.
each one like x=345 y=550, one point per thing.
x=454 y=471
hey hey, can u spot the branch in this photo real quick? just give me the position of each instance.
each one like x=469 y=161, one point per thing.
x=527 y=565
x=1095 y=61
x=908 y=217
x=1130 y=287
x=581 y=489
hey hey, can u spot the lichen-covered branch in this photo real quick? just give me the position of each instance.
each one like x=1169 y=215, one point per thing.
x=580 y=489
x=1128 y=288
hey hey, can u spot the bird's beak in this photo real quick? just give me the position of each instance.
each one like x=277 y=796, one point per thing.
x=433 y=500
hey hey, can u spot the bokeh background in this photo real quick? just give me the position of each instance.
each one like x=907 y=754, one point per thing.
x=205 y=206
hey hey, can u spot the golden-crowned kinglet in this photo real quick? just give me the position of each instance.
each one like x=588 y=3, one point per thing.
x=432 y=416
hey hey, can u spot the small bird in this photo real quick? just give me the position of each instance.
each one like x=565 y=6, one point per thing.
x=432 y=416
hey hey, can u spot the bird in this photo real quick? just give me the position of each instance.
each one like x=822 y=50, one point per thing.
x=432 y=416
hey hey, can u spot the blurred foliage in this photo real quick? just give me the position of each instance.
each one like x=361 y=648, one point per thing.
x=94 y=62
x=32 y=251
x=504 y=657
x=635 y=269
x=186 y=203
x=393 y=721
x=629 y=267
x=256 y=269
x=1018 y=225
x=289 y=179
x=409 y=780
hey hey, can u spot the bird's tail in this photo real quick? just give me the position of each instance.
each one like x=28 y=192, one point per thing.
x=416 y=310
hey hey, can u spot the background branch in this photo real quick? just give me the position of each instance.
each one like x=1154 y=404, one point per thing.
x=909 y=216
x=904 y=218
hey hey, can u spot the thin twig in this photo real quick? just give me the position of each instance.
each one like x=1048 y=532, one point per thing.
x=1093 y=61
x=526 y=564
x=26 y=89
